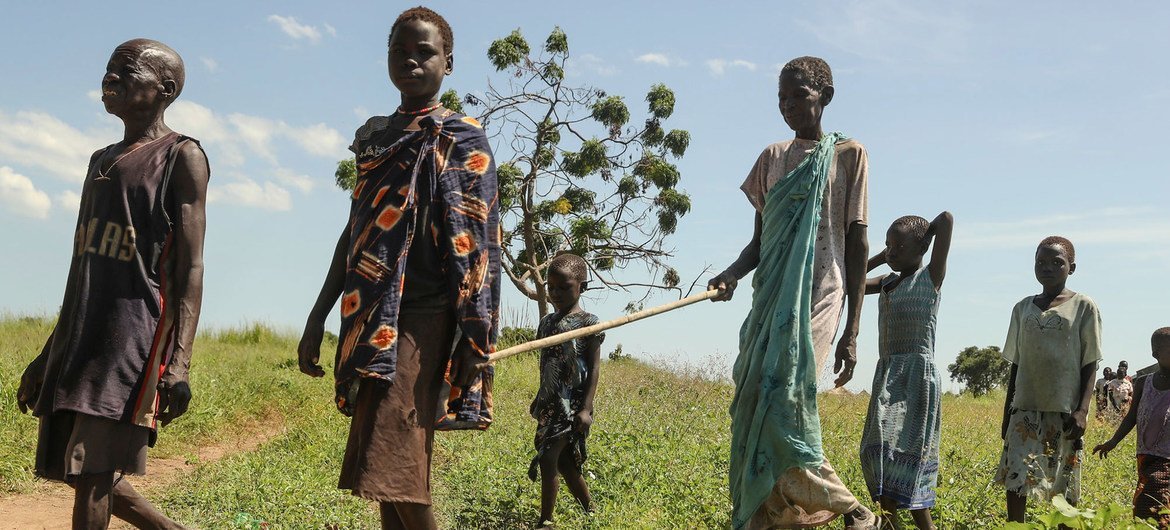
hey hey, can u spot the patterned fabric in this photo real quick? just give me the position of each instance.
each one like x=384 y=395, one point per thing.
x=1153 y=420
x=1153 y=489
x=774 y=422
x=1120 y=396
x=564 y=373
x=115 y=333
x=900 y=443
x=804 y=498
x=1038 y=460
x=844 y=202
x=453 y=151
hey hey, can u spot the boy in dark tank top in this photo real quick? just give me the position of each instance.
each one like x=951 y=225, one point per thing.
x=115 y=366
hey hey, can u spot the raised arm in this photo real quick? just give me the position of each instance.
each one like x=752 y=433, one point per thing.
x=189 y=184
x=940 y=230
x=748 y=260
x=874 y=285
x=856 y=250
x=1127 y=423
x=309 y=349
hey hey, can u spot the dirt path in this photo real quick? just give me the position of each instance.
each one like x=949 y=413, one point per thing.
x=50 y=504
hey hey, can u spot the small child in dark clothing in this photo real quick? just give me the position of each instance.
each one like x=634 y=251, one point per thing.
x=1150 y=412
x=563 y=406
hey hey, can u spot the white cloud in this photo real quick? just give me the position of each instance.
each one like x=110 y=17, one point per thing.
x=718 y=67
x=211 y=64
x=319 y=139
x=69 y=201
x=38 y=140
x=1119 y=225
x=304 y=183
x=660 y=59
x=587 y=63
x=247 y=192
x=296 y=30
x=94 y=95
x=19 y=196
x=332 y=31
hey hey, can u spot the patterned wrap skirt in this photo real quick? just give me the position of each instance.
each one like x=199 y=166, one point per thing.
x=1039 y=461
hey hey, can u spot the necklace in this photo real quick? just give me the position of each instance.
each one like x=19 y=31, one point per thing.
x=418 y=112
x=104 y=175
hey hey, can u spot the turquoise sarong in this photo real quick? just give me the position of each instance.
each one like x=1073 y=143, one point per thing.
x=774 y=421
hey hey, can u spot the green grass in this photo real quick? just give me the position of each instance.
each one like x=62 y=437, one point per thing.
x=658 y=450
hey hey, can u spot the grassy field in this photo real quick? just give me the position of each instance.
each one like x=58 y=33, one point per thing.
x=658 y=451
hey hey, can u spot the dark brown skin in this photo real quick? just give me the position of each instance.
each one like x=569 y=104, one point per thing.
x=1052 y=267
x=416 y=65
x=133 y=92
x=1161 y=353
x=904 y=255
x=802 y=107
x=565 y=294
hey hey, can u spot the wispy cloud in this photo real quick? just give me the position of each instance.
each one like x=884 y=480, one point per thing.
x=893 y=31
x=69 y=201
x=247 y=192
x=718 y=67
x=660 y=59
x=298 y=31
x=587 y=63
x=1118 y=225
x=19 y=196
x=304 y=183
x=210 y=64
x=33 y=139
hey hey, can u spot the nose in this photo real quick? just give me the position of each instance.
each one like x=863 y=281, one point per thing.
x=110 y=77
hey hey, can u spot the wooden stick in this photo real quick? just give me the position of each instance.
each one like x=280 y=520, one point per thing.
x=599 y=327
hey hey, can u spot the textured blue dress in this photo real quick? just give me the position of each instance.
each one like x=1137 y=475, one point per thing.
x=900 y=444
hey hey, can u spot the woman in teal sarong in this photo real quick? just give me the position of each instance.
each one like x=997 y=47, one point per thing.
x=810 y=251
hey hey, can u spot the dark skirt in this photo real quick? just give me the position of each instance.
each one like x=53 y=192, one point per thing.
x=71 y=444
x=391 y=436
x=1153 y=490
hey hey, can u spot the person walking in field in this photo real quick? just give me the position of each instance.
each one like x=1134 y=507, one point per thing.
x=115 y=367
x=900 y=442
x=1150 y=413
x=1054 y=344
x=418 y=260
x=809 y=251
x=1121 y=390
x=1101 y=393
x=563 y=406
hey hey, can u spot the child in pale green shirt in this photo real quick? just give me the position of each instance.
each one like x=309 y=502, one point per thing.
x=1053 y=343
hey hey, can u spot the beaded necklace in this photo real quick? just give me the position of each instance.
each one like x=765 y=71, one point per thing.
x=418 y=112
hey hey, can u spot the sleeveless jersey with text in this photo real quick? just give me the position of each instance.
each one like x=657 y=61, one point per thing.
x=114 y=336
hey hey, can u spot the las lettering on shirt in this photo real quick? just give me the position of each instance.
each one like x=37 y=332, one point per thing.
x=115 y=241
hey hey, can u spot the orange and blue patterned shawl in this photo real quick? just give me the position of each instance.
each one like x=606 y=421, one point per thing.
x=454 y=154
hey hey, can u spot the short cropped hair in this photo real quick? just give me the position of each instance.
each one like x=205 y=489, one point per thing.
x=1058 y=241
x=915 y=225
x=162 y=59
x=814 y=69
x=426 y=15
x=571 y=265
x=1161 y=337
x=1107 y=371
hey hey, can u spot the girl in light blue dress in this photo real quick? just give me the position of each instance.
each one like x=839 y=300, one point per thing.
x=900 y=444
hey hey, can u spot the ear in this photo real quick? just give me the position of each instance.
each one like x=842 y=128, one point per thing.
x=1072 y=267
x=168 y=88
x=450 y=63
x=584 y=286
x=827 y=95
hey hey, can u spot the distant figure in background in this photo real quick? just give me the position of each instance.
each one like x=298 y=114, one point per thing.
x=1101 y=393
x=563 y=406
x=1054 y=344
x=1120 y=391
x=900 y=443
x=1151 y=414
x=115 y=367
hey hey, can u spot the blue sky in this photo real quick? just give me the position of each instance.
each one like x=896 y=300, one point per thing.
x=1023 y=119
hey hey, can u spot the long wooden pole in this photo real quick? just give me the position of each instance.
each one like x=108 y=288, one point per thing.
x=600 y=326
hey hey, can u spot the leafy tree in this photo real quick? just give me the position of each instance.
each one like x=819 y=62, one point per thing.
x=980 y=369
x=577 y=172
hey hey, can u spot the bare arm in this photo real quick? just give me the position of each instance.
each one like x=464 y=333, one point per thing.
x=747 y=261
x=592 y=362
x=1007 y=402
x=874 y=285
x=1077 y=421
x=309 y=349
x=856 y=250
x=189 y=183
x=940 y=230
x=1127 y=423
